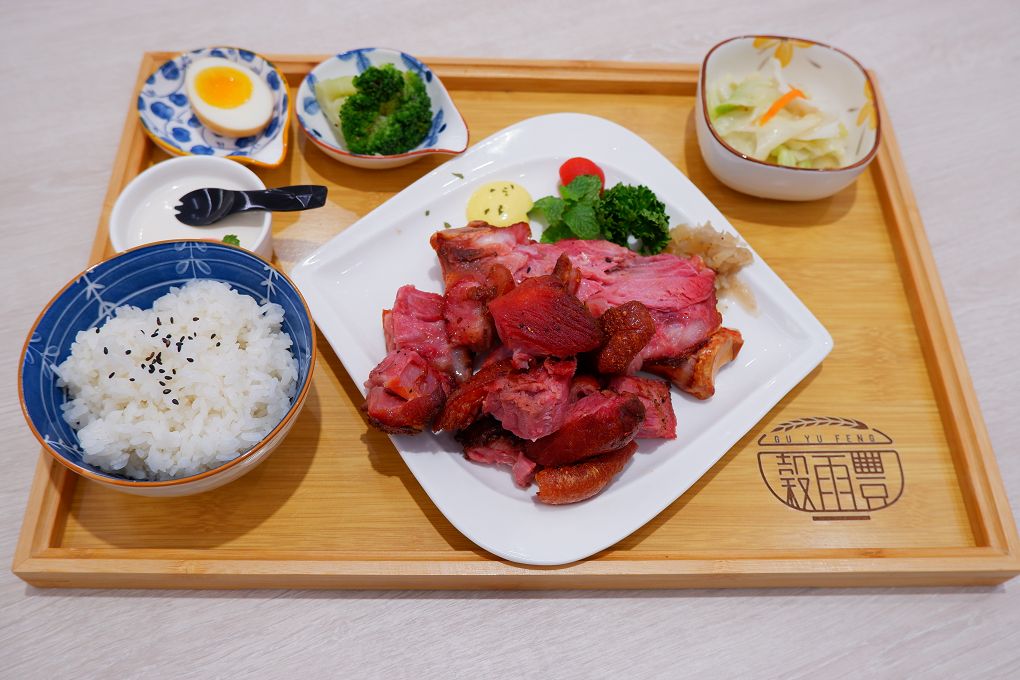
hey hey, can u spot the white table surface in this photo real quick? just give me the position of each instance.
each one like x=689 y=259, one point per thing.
x=949 y=71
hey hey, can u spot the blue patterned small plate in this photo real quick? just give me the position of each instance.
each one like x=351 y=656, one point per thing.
x=167 y=117
x=137 y=277
x=448 y=135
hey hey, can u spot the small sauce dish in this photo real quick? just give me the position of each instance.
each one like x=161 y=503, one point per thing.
x=144 y=211
x=832 y=78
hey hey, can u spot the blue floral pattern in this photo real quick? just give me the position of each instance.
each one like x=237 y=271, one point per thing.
x=166 y=113
x=360 y=57
x=446 y=121
x=137 y=278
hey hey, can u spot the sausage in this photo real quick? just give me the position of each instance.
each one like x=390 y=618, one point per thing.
x=580 y=481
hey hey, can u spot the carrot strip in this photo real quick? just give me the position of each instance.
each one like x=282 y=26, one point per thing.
x=778 y=105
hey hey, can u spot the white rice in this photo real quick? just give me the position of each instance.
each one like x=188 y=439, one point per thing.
x=236 y=389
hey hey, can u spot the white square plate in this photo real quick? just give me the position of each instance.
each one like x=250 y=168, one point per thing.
x=350 y=279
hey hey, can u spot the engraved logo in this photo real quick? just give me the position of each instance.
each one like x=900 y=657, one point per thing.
x=832 y=468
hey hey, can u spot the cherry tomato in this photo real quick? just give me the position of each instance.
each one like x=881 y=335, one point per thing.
x=574 y=167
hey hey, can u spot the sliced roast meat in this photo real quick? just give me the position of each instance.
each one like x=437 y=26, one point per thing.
x=660 y=419
x=580 y=481
x=582 y=386
x=568 y=275
x=600 y=422
x=532 y=403
x=416 y=323
x=541 y=318
x=627 y=328
x=405 y=393
x=464 y=405
x=473 y=274
x=486 y=442
x=474 y=248
x=659 y=282
x=467 y=316
x=695 y=373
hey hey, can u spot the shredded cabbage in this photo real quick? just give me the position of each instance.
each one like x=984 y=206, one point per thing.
x=799 y=135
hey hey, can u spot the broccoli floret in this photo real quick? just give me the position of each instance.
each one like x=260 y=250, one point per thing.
x=626 y=211
x=389 y=114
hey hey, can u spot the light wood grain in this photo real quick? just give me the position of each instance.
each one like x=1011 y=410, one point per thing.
x=336 y=507
x=934 y=60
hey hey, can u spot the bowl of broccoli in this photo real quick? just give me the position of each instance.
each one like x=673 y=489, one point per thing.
x=378 y=108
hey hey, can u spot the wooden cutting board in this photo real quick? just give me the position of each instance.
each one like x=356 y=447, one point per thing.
x=875 y=470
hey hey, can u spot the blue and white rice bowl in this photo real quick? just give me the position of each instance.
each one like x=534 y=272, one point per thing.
x=138 y=277
x=448 y=134
x=167 y=118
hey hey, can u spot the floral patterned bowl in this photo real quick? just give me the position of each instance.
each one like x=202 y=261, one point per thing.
x=137 y=277
x=448 y=135
x=168 y=120
x=833 y=79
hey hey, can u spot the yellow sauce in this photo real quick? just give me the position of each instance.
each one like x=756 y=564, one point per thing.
x=500 y=204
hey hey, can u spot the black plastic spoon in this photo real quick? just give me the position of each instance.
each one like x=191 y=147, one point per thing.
x=202 y=207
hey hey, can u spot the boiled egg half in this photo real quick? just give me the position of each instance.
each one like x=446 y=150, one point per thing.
x=228 y=98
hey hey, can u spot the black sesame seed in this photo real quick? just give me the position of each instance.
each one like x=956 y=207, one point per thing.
x=174 y=371
x=154 y=334
x=194 y=318
x=158 y=322
x=131 y=379
x=127 y=351
x=171 y=319
x=141 y=365
x=190 y=360
x=166 y=391
x=217 y=344
x=151 y=354
x=97 y=330
x=175 y=402
x=152 y=368
x=162 y=384
x=162 y=371
x=212 y=337
x=112 y=374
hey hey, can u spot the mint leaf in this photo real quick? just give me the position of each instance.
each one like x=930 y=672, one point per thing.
x=580 y=217
x=582 y=188
x=556 y=232
x=550 y=207
x=232 y=239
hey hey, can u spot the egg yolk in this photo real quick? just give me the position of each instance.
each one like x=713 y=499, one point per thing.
x=500 y=204
x=223 y=87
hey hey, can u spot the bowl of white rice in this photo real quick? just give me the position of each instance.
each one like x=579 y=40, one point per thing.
x=170 y=369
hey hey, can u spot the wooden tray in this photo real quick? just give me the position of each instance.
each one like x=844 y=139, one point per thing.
x=886 y=431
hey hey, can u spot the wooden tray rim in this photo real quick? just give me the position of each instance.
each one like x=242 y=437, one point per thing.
x=996 y=558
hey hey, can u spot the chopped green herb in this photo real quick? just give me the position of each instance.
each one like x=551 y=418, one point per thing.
x=426 y=213
x=457 y=175
x=620 y=214
x=446 y=225
x=232 y=239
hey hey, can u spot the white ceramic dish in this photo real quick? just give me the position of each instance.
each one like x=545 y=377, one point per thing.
x=355 y=275
x=448 y=135
x=832 y=78
x=144 y=211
